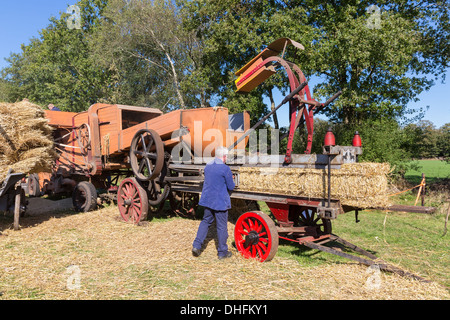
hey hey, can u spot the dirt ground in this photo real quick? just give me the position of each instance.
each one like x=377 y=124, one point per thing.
x=95 y=255
x=37 y=206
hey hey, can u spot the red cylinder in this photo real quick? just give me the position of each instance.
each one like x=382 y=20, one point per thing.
x=356 y=140
x=329 y=138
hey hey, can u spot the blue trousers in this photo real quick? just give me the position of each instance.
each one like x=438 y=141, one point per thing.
x=222 y=230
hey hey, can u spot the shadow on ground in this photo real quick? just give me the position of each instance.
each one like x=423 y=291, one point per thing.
x=38 y=211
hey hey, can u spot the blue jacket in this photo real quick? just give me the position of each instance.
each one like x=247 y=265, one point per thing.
x=218 y=181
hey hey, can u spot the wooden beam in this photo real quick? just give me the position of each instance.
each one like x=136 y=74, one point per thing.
x=412 y=209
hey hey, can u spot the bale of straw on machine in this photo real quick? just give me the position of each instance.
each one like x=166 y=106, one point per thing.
x=26 y=143
x=361 y=185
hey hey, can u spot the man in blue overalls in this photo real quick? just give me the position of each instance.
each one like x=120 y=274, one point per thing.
x=216 y=200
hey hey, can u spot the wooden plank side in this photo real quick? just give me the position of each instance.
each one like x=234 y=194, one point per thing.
x=164 y=125
x=59 y=119
x=109 y=127
x=80 y=118
x=71 y=154
x=207 y=129
x=411 y=209
x=211 y=125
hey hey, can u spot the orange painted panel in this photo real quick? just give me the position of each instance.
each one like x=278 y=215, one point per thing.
x=253 y=76
x=113 y=131
x=207 y=129
x=59 y=118
x=164 y=125
x=80 y=118
x=256 y=60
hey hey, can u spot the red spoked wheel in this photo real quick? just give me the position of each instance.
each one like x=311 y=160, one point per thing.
x=132 y=201
x=256 y=236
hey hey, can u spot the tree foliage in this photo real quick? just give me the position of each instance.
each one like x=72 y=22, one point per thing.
x=427 y=141
x=379 y=65
x=155 y=57
x=233 y=32
x=57 y=67
x=173 y=54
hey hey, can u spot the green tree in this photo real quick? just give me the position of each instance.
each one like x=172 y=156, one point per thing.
x=57 y=67
x=424 y=140
x=383 y=140
x=320 y=129
x=443 y=142
x=429 y=144
x=381 y=58
x=233 y=32
x=4 y=90
x=157 y=60
x=415 y=136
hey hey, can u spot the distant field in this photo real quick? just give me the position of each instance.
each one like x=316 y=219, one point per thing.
x=433 y=170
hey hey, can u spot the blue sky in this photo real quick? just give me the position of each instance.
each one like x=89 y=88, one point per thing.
x=21 y=20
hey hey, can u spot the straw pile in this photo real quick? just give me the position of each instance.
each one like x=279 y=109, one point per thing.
x=361 y=185
x=26 y=144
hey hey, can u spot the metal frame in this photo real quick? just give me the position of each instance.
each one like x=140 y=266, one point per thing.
x=11 y=196
x=303 y=107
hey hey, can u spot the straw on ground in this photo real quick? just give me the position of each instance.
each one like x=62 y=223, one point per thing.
x=117 y=260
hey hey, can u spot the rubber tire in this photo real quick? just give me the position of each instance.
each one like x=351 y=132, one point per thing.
x=270 y=231
x=90 y=192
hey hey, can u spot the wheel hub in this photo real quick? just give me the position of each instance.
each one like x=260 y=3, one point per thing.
x=252 y=238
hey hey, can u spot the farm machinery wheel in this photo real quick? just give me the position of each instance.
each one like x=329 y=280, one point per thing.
x=256 y=236
x=33 y=185
x=84 y=197
x=308 y=218
x=146 y=154
x=184 y=204
x=83 y=134
x=158 y=190
x=132 y=201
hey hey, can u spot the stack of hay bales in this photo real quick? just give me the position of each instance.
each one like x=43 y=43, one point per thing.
x=26 y=143
x=360 y=185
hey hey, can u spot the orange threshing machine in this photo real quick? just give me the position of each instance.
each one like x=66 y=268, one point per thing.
x=163 y=156
x=98 y=146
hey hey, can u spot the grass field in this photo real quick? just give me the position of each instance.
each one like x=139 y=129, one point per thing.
x=413 y=241
x=434 y=170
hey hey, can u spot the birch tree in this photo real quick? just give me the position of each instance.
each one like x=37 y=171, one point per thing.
x=150 y=34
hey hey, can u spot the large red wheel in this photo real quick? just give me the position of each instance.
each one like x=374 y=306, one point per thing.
x=256 y=236
x=132 y=201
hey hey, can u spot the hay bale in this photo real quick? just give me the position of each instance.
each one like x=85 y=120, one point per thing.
x=362 y=185
x=26 y=144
